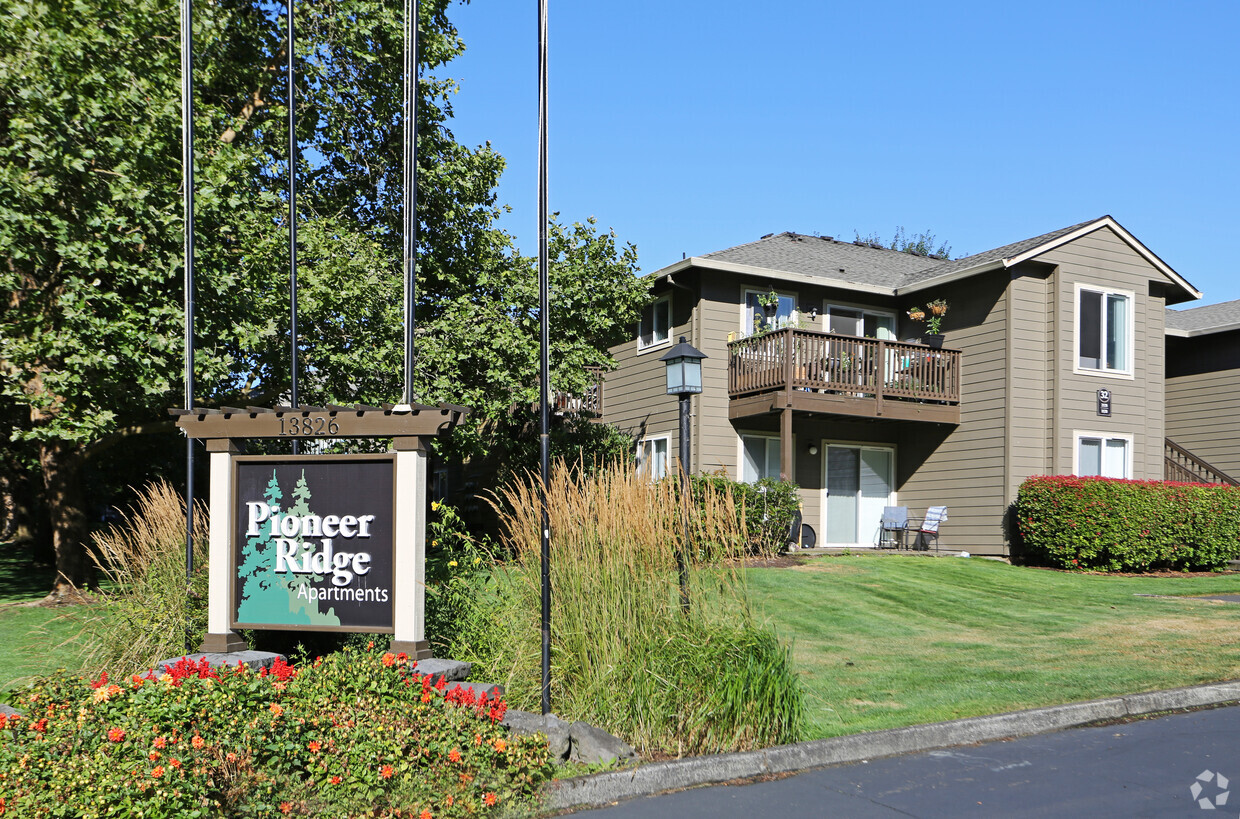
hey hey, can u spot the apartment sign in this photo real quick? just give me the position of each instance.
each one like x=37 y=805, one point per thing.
x=313 y=543
x=1104 y=402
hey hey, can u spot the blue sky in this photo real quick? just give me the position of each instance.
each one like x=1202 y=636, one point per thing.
x=690 y=126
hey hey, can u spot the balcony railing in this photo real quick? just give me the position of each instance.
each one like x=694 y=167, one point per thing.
x=811 y=361
x=589 y=402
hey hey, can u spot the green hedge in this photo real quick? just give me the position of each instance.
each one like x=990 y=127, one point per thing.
x=769 y=507
x=1102 y=524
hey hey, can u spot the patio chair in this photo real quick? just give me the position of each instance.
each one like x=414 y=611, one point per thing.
x=893 y=527
x=929 y=528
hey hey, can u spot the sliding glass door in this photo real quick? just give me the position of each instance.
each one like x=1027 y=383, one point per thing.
x=859 y=483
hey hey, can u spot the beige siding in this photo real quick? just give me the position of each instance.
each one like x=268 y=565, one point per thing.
x=1103 y=259
x=1203 y=416
x=1029 y=383
x=716 y=446
x=964 y=468
x=635 y=398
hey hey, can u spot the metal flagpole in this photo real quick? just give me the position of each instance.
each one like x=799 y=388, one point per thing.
x=544 y=308
x=411 y=192
x=292 y=212
x=187 y=181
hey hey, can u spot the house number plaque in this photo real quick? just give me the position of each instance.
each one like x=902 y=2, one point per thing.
x=1104 y=402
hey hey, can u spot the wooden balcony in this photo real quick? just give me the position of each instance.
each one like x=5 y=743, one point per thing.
x=811 y=371
x=589 y=403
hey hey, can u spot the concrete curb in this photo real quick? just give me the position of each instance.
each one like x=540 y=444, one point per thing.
x=614 y=786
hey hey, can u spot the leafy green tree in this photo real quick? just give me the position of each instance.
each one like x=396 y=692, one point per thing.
x=90 y=230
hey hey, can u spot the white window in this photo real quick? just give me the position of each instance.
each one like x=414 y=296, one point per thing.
x=759 y=458
x=656 y=323
x=855 y=321
x=762 y=315
x=1101 y=455
x=1103 y=330
x=652 y=457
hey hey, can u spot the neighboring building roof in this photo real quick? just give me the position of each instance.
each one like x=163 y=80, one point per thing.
x=1209 y=318
x=868 y=267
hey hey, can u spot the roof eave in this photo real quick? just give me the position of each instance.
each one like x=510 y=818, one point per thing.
x=767 y=273
x=1202 y=331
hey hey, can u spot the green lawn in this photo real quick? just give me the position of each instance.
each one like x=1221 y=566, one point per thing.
x=33 y=639
x=889 y=641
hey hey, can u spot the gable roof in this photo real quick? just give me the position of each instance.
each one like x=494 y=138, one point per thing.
x=1200 y=321
x=871 y=268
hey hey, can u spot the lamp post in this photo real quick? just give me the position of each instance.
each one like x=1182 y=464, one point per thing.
x=684 y=378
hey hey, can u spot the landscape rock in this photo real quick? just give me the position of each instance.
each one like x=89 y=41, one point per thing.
x=594 y=745
x=555 y=729
x=255 y=660
x=436 y=668
x=9 y=711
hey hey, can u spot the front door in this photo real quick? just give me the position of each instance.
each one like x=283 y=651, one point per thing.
x=859 y=483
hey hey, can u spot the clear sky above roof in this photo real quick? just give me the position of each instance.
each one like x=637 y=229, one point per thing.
x=691 y=126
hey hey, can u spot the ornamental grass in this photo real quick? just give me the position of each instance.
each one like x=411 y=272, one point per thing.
x=355 y=733
x=624 y=654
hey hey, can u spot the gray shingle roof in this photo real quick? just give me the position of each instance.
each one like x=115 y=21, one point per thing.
x=864 y=264
x=1206 y=318
x=824 y=257
x=994 y=255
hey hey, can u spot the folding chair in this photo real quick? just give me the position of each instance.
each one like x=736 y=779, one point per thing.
x=893 y=527
x=929 y=528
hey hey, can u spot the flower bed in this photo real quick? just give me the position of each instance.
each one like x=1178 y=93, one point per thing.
x=351 y=733
x=1104 y=524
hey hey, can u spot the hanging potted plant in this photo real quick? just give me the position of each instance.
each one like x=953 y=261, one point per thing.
x=938 y=309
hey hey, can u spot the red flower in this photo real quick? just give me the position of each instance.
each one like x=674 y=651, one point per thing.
x=286 y=807
x=102 y=681
x=489 y=799
x=454 y=755
x=425 y=814
x=335 y=780
x=314 y=746
x=386 y=772
x=40 y=725
x=389 y=659
x=402 y=657
x=153 y=755
x=176 y=763
x=197 y=741
x=160 y=742
x=116 y=734
x=157 y=771
x=277 y=709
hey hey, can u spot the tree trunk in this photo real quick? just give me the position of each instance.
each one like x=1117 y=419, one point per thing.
x=62 y=468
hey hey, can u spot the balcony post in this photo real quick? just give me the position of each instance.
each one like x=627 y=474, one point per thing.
x=785 y=444
x=880 y=377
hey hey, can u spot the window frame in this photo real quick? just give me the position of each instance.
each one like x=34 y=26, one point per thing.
x=640 y=459
x=747 y=313
x=1103 y=371
x=1129 y=451
x=652 y=308
x=767 y=437
x=864 y=311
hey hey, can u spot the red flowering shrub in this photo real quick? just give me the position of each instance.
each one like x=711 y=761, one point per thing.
x=1104 y=524
x=348 y=735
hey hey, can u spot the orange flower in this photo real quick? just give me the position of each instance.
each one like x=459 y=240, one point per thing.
x=314 y=746
x=402 y=657
x=477 y=739
x=489 y=799
x=335 y=780
x=277 y=709
x=386 y=772
x=500 y=745
x=197 y=741
x=370 y=645
x=230 y=756
x=158 y=771
x=176 y=763
x=426 y=696
x=466 y=778
x=116 y=734
x=389 y=659
x=450 y=799
x=4 y=722
x=153 y=755
x=160 y=742
x=286 y=807
x=454 y=755
x=425 y=814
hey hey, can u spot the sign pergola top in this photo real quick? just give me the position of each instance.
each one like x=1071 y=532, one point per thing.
x=329 y=421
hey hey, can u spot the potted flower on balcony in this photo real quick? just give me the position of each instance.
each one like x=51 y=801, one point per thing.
x=934 y=332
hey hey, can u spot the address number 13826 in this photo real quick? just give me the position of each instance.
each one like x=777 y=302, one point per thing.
x=308 y=426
